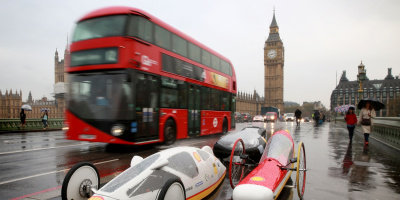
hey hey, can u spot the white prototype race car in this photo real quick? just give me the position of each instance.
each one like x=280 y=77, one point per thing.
x=173 y=174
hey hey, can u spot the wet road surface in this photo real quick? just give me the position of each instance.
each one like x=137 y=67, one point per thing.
x=33 y=165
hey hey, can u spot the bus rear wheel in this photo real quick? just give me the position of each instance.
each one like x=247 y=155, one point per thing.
x=169 y=132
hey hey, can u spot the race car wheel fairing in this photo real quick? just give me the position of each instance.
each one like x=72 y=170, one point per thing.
x=78 y=181
x=236 y=164
x=301 y=170
x=172 y=190
x=169 y=132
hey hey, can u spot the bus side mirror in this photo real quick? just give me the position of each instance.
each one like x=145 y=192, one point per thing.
x=293 y=160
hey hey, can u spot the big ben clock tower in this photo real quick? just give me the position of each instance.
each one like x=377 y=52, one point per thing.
x=273 y=62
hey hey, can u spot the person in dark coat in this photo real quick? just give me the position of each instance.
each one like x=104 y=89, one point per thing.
x=316 y=117
x=297 y=113
x=22 y=117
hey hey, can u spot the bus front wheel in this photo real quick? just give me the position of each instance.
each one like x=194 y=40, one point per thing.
x=225 y=126
x=169 y=132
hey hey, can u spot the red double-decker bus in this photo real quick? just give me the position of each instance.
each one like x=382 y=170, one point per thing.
x=134 y=79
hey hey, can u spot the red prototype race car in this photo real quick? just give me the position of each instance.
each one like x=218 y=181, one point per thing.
x=270 y=175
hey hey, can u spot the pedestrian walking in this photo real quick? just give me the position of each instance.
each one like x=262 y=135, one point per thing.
x=22 y=117
x=366 y=120
x=316 y=117
x=351 y=120
x=45 y=117
x=297 y=113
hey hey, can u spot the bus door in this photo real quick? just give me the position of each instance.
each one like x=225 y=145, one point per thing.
x=194 y=110
x=146 y=108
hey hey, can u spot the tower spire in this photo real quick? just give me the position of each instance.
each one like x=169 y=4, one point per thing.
x=273 y=23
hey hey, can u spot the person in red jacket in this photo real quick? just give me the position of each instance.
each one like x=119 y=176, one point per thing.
x=351 y=120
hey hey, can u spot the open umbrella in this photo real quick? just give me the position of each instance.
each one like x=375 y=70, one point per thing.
x=376 y=104
x=26 y=107
x=44 y=109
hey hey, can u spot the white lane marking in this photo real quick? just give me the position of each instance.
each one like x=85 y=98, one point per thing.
x=10 y=152
x=42 y=174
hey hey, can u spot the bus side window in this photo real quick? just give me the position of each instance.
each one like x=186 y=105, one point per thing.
x=224 y=101
x=205 y=57
x=182 y=99
x=140 y=28
x=179 y=45
x=205 y=98
x=215 y=99
x=162 y=37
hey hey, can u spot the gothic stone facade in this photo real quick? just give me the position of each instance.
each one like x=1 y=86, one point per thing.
x=246 y=103
x=274 y=63
x=273 y=68
x=10 y=104
x=386 y=90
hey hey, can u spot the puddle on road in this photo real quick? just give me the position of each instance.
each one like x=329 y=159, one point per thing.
x=368 y=164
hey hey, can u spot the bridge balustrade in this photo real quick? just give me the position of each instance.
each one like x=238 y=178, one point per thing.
x=385 y=129
x=31 y=124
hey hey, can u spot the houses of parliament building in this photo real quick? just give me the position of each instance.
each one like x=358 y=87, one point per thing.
x=11 y=102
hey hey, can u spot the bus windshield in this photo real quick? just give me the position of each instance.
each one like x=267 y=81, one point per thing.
x=101 y=96
x=108 y=26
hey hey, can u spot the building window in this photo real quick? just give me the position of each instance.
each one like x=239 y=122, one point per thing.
x=391 y=92
x=384 y=92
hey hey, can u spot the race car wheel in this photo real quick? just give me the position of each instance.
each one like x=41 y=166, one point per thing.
x=169 y=132
x=236 y=164
x=78 y=181
x=173 y=189
x=301 y=170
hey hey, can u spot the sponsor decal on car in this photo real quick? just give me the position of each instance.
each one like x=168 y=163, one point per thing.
x=257 y=178
x=199 y=183
x=189 y=188
x=206 y=177
x=215 y=168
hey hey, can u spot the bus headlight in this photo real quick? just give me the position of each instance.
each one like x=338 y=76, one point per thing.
x=65 y=126
x=117 y=130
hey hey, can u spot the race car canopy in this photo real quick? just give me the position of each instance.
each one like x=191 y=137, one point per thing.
x=279 y=147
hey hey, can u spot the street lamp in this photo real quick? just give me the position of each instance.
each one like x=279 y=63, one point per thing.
x=360 y=78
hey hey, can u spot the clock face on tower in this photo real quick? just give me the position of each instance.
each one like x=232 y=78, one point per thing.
x=271 y=54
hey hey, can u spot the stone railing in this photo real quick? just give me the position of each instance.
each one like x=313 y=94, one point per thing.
x=385 y=129
x=31 y=124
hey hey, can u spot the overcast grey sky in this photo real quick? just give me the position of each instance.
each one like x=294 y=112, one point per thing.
x=321 y=37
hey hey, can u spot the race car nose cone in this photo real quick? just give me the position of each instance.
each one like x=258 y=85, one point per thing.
x=252 y=192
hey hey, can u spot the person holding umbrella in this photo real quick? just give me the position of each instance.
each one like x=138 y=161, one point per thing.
x=45 y=118
x=351 y=120
x=367 y=114
x=22 y=117
x=368 y=107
